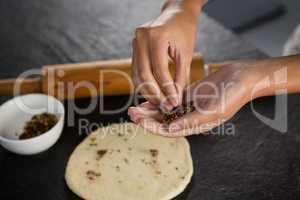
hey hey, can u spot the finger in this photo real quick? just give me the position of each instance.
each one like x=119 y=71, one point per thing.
x=135 y=76
x=193 y=122
x=134 y=116
x=143 y=110
x=136 y=79
x=182 y=72
x=160 y=68
x=137 y=113
x=203 y=129
x=148 y=86
x=156 y=127
x=148 y=105
x=161 y=129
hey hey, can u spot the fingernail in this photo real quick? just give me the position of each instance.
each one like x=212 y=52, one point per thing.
x=173 y=101
x=174 y=127
x=166 y=107
x=133 y=119
x=129 y=111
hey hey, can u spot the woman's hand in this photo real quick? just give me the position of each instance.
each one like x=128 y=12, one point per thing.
x=172 y=35
x=216 y=99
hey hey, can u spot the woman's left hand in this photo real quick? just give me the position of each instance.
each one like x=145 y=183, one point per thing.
x=216 y=99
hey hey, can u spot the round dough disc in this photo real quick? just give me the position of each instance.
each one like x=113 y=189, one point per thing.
x=125 y=161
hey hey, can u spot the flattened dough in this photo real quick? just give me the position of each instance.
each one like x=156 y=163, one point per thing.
x=124 y=161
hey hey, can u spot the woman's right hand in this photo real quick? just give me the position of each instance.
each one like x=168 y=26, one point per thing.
x=172 y=34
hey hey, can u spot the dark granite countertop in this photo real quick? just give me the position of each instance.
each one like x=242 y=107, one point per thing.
x=257 y=162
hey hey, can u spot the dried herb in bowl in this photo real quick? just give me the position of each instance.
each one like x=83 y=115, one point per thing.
x=38 y=125
x=178 y=112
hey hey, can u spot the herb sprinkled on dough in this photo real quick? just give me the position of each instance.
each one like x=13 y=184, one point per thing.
x=120 y=135
x=101 y=153
x=93 y=144
x=154 y=152
x=126 y=160
x=92 y=175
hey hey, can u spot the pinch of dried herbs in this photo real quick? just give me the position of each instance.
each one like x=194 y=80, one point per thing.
x=126 y=160
x=93 y=144
x=101 y=153
x=178 y=112
x=92 y=173
x=120 y=135
x=153 y=152
x=158 y=172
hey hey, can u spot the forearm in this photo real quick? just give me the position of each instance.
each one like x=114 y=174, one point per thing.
x=277 y=75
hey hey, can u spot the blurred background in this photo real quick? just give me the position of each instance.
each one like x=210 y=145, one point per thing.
x=266 y=24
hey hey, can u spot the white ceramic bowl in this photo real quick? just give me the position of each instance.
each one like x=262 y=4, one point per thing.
x=16 y=112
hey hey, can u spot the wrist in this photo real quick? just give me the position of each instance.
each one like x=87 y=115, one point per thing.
x=265 y=77
x=251 y=74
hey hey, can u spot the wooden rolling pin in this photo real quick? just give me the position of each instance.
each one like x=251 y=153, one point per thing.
x=67 y=81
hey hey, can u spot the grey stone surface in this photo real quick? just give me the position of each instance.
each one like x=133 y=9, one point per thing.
x=292 y=46
x=271 y=37
x=257 y=162
x=218 y=44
